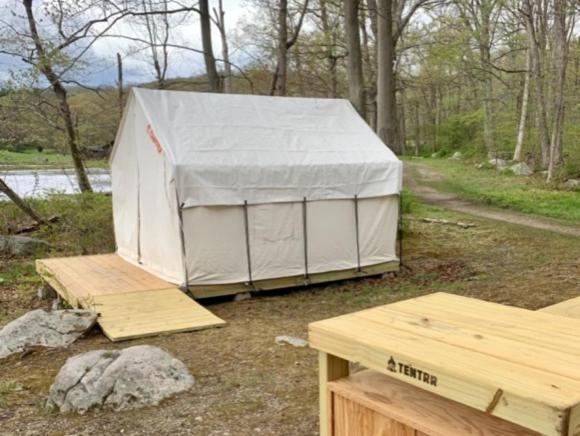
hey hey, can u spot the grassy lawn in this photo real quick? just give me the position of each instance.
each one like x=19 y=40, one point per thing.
x=245 y=384
x=503 y=189
x=32 y=158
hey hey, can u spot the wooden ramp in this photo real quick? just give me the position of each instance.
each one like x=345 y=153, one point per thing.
x=131 y=302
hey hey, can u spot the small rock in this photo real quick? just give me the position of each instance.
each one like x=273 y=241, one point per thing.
x=243 y=296
x=521 y=169
x=436 y=154
x=498 y=163
x=137 y=376
x=456 y=156
x=572 y=184
x=16 y=245
x=46 y=329
x=479 y=166
x=296 y=342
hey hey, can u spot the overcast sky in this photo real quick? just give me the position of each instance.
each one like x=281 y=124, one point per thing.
x=102 y=58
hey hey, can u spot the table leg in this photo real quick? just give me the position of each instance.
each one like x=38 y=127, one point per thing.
x=329 y=368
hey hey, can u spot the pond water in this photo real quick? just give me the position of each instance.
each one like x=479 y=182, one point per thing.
x=38 y=183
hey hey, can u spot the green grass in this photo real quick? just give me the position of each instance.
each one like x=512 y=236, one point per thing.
x=31 y=158
x=502 y=189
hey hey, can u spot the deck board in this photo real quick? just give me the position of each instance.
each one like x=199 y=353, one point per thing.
x=568 y=308
x=131 y=303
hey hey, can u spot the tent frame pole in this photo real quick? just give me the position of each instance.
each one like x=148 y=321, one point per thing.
x=248 y=251
x=356 y=224
x=305 y=237
x=185 y=286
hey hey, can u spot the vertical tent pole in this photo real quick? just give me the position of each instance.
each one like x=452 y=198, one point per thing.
x=185 y=286
x=139 y=223
x=305 y=236
x=357 y=233
x=248 y=252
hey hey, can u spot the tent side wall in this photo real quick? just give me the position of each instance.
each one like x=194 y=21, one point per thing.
x=124 y=183
x=217 y=246
x=145 y=204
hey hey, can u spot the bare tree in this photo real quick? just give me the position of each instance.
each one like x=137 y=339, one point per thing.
x=279 y=80
x=44 y=62
x=481 y=18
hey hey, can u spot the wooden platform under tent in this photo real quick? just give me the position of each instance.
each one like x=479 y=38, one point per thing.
x=133 y=303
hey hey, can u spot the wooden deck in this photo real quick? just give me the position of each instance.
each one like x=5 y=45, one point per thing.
x=131 y=302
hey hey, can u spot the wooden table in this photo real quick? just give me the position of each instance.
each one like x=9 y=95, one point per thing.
x=519 y=365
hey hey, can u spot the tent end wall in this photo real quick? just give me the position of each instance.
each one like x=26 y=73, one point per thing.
x=208 y=291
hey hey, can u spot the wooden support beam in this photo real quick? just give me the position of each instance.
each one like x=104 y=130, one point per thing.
x=330 y=368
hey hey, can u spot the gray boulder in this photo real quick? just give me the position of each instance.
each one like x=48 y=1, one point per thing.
x=456 y=156
x=17 y=245
x=572 y=184
x=118 y=379
x=58 y=328
x=500 y=164
x=521 y=169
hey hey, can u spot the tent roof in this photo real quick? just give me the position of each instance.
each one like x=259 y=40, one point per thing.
x=229 y=148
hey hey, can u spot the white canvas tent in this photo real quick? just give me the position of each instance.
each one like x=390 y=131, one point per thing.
x=222 y=193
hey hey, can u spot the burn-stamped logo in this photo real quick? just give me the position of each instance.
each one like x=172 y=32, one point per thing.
x=411 y=371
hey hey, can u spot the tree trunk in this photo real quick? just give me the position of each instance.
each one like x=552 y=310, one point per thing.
x=487 y=83
x=208 y=57
x=524 y=112
x=330 y=42
x=220 y=18
x=387 y=124
x=279 y=80
x=22 y=205
x=559 y=61
x=120 y=91
x=535 y=58
x=356 y=89
x=44 y=65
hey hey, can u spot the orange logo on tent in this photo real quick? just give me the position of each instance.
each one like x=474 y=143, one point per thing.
x=154 y=139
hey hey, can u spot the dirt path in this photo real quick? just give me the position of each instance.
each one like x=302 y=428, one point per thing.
x=418 y=177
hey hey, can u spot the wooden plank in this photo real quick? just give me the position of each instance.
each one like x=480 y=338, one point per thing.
x=380 y=399
x=534 y=383
x=207 y=291
x=353 y=419
x=569 y=308
x=329 y=368
x=131 y=302
x=174 y=312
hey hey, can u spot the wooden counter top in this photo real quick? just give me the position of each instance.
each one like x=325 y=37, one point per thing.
x=516 y=364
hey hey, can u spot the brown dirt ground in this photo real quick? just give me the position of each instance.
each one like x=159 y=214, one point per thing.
x=248 y=385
